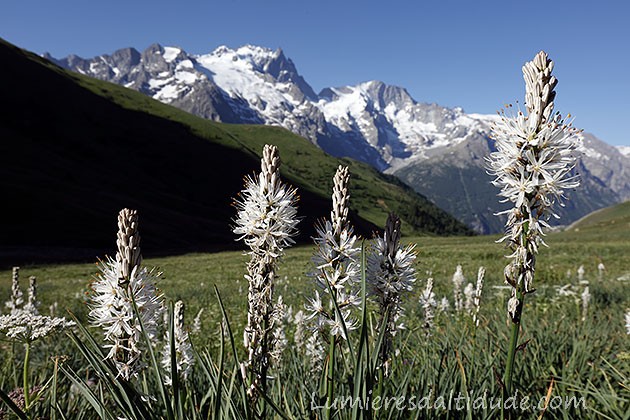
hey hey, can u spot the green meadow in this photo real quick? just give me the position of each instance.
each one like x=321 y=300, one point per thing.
x=566 y=352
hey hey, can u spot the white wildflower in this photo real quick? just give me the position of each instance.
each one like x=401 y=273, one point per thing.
x=565 y=290
x=445 y=305
x=469 y=295
x=586 y=298
x=184 y=359
x=477 y=297
x=266 y=221
x=628 y=322
x=315 y=353
x=299 y=319
x=54 y=308
x=601 y=269
x=428 y=302
x=267 y=213
x=512 y=305
x=390 y=275
x=279 y=340
x=121 y=282
x=336 y=267
x=458 y=282
x=196 y=328
x=580 y=273
x=26 y=327
x=17 y=297
x=32 y=304
x=533 y=166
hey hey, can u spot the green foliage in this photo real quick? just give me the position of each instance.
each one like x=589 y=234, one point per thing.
x=559 y=353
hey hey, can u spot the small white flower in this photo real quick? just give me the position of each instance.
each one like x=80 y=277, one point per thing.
x=299 y=319
x=279 y=342
x=315 y=353
x=183 y=350
x=17 y=297
x=53 y=308
x=580 y=273
x=26 y=327
x=565 y=290
x=32 y=304
x=512 y=305
x=196 y=328
x=628 y=322
x=586 y=298
x=427 y=300
x=458 y=282
x=469 y=294
x=477 y=297
x=445 y=305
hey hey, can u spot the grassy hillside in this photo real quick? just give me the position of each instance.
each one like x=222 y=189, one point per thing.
x=614 y=220
x=76 y=150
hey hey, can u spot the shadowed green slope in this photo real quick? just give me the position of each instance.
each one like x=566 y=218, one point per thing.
x=75 y=150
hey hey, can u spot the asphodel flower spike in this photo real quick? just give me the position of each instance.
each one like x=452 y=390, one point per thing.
x=533 y=165
x=266 y=222
x=390 y=275
x=121 y=282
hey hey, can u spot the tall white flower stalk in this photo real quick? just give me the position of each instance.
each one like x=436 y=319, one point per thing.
x=601 y=269
x=336 y=267
x=196 y=328
x=477 y=296
x=580 y=273
x=533 y=163
x=184 y=359
x=458 y=282
x=586 y=299
x=390 y=275
x=121 y=283
x=429 y=304
x=32 y=303
x=16 y=302
x=337 y=275
x=281 y=317
x=267 y=222
x=469 y=297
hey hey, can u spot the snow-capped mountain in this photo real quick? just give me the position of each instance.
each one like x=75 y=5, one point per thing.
x=625 y=150
x=438 y=151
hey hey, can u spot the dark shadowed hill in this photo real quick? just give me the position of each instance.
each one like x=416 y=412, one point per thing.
x=75 y=150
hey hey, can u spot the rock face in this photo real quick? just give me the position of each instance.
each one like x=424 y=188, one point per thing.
x=438 y=151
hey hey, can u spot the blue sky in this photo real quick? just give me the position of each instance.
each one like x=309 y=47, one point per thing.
x=454 y=53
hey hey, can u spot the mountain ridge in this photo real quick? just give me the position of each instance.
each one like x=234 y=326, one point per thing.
x=80 y=149
x=377 y=123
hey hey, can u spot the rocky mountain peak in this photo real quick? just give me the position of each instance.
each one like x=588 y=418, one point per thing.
x=437 y=150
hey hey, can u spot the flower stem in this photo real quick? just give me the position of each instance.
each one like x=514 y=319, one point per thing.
x=509 y=367
x=330 y=394
x=381 y=378
x=27 y=396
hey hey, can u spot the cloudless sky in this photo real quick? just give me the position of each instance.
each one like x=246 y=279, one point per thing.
x=454 y=53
